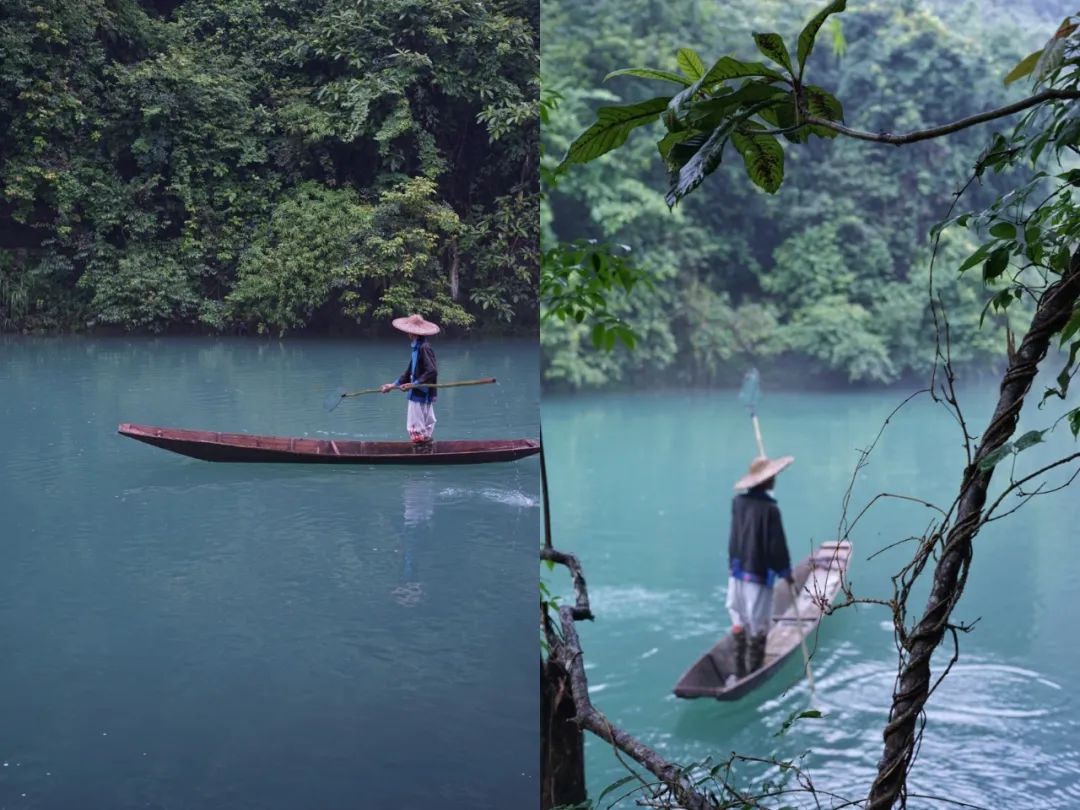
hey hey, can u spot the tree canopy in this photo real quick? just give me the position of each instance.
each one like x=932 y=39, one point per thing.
x=830 y=277
x=228 y=164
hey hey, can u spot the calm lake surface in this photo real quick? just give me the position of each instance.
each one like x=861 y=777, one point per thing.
x=177 y=634
x=641 y=487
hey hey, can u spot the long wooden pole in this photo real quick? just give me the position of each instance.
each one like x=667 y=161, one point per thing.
x=794 y=593
x=484 y=381
x=802 y=637
x=757 y=435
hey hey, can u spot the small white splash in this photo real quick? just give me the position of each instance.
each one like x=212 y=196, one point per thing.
x=510 y=498
x=650 y=653
x=104 y=734
x=5 y=764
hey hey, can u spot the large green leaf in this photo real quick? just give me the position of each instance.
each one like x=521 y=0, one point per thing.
x=823 y=104
x=975 y=258
x=772 y=45
x=996 y=264
x=728 y=68
x=709 y=114
x=673 y=139
x=680 y=151
x=703 y=163
x=1053 y=53
x=1003 y=230
x=690 y=63
x=678 y=106
x=1024 y=67
x=613 y=126
x=764 y=159
x=782 y=116
x=810 y=32
x=650 y=73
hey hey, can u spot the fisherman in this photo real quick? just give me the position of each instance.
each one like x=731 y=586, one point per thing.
x=422 y=371
x=757 y=556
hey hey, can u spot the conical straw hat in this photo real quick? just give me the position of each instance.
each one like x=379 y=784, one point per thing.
x=762 y=469
x=416 y=325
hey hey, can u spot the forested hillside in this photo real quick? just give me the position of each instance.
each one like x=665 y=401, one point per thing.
x=832 y=276
x=269 y=165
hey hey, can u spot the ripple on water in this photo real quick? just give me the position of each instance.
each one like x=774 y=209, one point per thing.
x=974 y=694
x=982 y=715
x=678 y=615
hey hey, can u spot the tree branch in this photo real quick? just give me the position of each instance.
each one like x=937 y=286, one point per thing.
x=950 y=573
x=568 y=654
x=1015 y=485
x=544 y=492
x=946 y=129
x=581 y=608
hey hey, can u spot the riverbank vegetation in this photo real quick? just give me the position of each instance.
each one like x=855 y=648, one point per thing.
x=831 y=276
x=262 y=165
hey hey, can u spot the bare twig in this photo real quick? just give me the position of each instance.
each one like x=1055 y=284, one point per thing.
x=1015 y=485
x=544 y=491
x=581 y=610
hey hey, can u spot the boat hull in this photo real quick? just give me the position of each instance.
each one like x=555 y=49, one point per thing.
x=818 y=579
x=246 y=448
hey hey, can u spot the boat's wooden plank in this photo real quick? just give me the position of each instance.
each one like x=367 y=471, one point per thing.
x=243 y=447
x=819 y=578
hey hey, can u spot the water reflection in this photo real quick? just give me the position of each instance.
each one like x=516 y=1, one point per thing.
x=418 y=505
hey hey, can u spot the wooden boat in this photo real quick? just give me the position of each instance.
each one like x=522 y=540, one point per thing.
x=242 y=447
x=817 y=580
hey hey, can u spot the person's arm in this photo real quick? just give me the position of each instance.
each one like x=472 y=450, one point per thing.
x=779 y=558
x=431 y=369
x=404 y=378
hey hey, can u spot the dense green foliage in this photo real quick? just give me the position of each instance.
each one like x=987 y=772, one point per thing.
x=833 y=274
x=272 y=164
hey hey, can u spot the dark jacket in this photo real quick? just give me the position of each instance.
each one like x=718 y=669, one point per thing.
x=757 y=550
x=422 y=369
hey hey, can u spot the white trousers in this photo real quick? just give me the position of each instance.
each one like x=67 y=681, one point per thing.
x=750 y=605
x=421 y=418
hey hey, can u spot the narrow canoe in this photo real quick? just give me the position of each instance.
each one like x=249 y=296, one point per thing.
x=242 y=447
x=817 y=580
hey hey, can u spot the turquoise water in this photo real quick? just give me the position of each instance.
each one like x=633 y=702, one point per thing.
x=178 y=634
x=641 y=487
